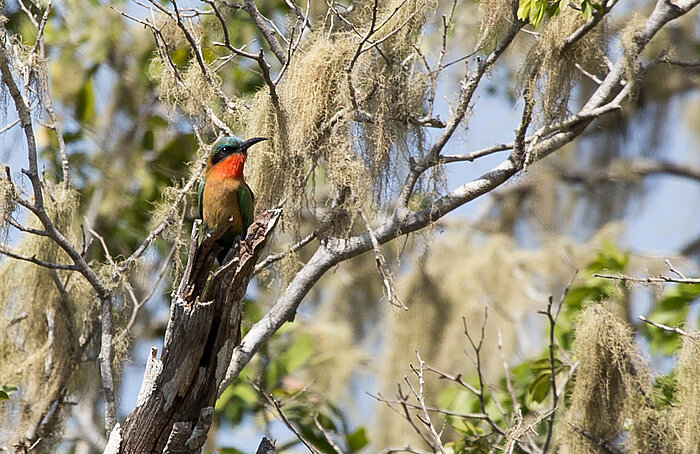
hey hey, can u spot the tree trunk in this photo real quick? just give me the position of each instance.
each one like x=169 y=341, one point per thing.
x=176 y=403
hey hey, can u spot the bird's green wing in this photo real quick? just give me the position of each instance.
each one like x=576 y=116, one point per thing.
x=199 y=198
x=246 y=201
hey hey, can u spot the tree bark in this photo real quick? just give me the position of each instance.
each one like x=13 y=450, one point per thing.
x=176 y=403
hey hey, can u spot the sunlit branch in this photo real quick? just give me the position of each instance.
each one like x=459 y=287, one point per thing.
x=467 y=88
x=268 y=32
x=5 y=250
x=648 y=280
x=588 y=26
x=103 y=294
x=270 y=259
x=670 y=329
x=607 y=98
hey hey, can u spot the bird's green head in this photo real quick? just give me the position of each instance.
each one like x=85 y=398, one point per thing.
x=228 y=145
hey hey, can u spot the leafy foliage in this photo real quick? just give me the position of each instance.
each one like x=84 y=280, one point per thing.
x=534 y=11
x=578 y=365
x=6 y=390
x=289 y=353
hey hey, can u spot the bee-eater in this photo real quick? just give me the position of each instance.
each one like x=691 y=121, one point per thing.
x=224 y=194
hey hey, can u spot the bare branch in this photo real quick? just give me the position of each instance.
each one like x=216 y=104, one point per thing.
x=467 y=88
x=387 y=277
x=103 y=294
x=275 y=405
x=671 y=329
x=551 y=318
x=506 y=374
x=404 y=448
x=441 y=411
x=647 y=280
x=6 y=250
x=587 y=26
x=268 y=32
x=605 y=445
x=327 y=436
x=682 y=64
x=270 y=259
x=420 y=397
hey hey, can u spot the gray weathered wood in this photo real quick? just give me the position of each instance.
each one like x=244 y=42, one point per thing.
x=203 y=331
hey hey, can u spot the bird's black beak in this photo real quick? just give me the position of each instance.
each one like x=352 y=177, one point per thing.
x=250 y=142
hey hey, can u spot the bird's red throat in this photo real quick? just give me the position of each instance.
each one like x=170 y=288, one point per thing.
x=231 y=167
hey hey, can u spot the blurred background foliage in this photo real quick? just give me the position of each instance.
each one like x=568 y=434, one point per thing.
x=126 y=145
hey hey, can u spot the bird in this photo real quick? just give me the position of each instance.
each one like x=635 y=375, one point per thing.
x=223 y=192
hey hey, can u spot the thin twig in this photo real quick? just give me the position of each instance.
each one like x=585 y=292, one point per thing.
x=270 y=259
x=267 y=31
x=647 y=280
x=387 y=277
x=327 y=436
x=477 y=352
x=506 y=373
x=552 y=372
x=278 y=410
x=671 y=329
x=552 y=319
x=442 y=411
x=420 y=397
x=607 y=446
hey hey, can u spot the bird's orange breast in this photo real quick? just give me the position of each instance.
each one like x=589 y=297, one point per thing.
x=221 y=202
x=231 y=167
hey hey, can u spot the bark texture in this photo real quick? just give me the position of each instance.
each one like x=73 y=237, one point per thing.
x=177 y=401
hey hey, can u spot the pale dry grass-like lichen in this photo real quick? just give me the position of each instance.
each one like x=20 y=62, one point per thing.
x=611 y=382
x=187 y=89
x=653 y=431
x=550 y=71
x=325 y=137
x=315 y=124
x=39 y=338
x=688 y=389
x=673 y=429
x=490 y=273
x=47 y=315
x=7 y=205
x=496 y=17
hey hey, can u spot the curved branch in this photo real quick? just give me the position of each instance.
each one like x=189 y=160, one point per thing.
x=267 y=31
x=607 y=98
x=103 y=293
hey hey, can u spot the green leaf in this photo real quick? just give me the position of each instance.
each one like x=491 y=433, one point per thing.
x=524 y=9
x=553 y=10
x=298 y=353
x=147 y=142
x=6 y=390
x=672 y=310
x=586 y=10
x=357 y=440
x=543 y=364
x=537 y=13
x=539 y=388
x=229 y=450
x=610 y=258
x=156 y=121
x=666 y=386
x=85 y=105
